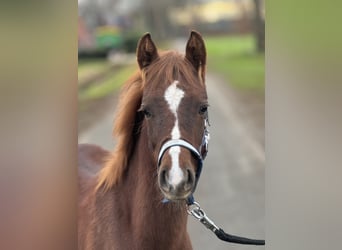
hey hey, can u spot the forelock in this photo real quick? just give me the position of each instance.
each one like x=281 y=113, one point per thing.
x=170 y=66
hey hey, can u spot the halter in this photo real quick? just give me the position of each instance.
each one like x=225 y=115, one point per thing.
x=199 y=154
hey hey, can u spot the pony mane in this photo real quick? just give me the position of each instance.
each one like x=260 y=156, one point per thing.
x=124 y=130
x=169 y=66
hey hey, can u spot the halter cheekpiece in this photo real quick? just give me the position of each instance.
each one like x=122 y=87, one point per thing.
x=199 y=154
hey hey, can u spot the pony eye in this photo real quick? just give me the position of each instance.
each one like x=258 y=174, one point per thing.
x=203 y=110
x=147 y=113
x=144 y=110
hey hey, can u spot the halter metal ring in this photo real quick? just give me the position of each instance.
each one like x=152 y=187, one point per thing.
x=195 y=210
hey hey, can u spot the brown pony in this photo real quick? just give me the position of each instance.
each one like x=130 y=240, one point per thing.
x=121 y=192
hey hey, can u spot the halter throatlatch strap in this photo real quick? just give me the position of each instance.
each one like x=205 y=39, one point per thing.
x=205 y=139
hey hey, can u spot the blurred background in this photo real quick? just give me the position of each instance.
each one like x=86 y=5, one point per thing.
x=231 y=189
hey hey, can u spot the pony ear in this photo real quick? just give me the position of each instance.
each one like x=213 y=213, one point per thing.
x=146 y=51
x=196 y=53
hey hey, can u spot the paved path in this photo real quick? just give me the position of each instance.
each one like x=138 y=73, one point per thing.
x=101 y=132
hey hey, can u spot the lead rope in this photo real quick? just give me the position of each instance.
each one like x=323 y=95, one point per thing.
x=195 y=210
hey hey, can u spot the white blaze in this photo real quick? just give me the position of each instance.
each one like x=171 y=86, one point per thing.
x=173 y=97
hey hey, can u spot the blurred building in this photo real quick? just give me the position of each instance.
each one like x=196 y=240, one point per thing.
x=233 y=16
x=85 y=39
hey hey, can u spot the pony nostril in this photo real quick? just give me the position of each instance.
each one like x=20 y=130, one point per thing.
x=164 y=184
x=189 y=181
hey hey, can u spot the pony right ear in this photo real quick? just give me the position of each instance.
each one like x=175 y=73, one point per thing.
x=146 y=51
x=196 y=53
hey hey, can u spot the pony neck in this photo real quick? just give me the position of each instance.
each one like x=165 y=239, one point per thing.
x=152 y=220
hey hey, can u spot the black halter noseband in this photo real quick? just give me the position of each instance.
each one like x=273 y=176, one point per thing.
x=199 y=154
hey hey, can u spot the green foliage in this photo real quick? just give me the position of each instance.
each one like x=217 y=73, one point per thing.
x=235 y=57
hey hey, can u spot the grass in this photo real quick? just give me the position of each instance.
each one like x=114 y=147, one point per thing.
x=110 y=84
x=90 y=68
x=235 y=58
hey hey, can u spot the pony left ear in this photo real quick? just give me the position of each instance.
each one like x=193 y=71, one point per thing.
x=196 y=53
x=146 y=51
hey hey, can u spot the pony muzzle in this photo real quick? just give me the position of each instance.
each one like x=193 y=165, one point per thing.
x=177 y=170
x=176 y=186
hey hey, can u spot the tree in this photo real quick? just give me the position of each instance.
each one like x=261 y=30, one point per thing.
x=156 y=15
